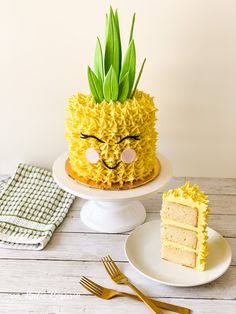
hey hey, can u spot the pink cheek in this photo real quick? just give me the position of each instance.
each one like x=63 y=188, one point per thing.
x=92 y=155
x=128 y=155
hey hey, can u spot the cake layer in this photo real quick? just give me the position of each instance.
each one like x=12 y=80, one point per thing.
x=180 y=213
x=179 y=256
x=179 y=235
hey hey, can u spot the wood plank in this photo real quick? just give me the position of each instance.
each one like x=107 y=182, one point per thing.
x=72 y=246
x=221 y=223
x=224 y=224
x=174 y=183
x=79 y=246
x=215 y=185
x=222 y=204
x=219 y=204
x=62 y=277
x=55 y=304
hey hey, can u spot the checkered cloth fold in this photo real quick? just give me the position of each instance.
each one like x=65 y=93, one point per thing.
x=32 y=206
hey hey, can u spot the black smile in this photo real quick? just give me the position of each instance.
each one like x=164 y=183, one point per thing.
x=109 y=166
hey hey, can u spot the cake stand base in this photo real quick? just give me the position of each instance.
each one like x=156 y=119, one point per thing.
x=113 y=217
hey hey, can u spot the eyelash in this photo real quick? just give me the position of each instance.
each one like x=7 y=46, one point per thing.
x=84 y=136
x=134 y=137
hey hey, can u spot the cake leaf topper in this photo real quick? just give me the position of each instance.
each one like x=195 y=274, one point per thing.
x=113 y=79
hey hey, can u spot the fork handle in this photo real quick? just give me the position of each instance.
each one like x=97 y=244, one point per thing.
x=163 y=305
x=146 y=300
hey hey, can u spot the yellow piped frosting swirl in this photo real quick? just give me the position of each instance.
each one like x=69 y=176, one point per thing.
x=190 y=195
x=111 y=122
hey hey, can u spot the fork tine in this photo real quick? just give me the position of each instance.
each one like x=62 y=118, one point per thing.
x=92 y=284
x=88 y=285
x=108 y=271
x=109 y=266
x=114 y=264
x=89 y=289
x=106 y=267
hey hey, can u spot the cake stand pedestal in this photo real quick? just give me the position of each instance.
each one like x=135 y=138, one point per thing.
x=111 y=211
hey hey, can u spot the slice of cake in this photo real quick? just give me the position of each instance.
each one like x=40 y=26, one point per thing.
x=184 y=217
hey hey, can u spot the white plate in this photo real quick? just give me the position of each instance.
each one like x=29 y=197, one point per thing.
x=143 y=247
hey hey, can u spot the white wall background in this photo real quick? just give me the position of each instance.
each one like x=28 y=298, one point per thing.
x=190 y=45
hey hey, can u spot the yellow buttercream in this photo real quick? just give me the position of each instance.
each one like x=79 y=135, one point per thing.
x=111 y=122
x=178 y=246
x=167 y=221
x=190 y=195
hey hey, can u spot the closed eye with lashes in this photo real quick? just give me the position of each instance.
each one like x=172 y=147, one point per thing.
x=84 y=136
x=134 y=137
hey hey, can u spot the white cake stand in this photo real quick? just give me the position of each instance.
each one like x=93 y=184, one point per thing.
x=111 y=211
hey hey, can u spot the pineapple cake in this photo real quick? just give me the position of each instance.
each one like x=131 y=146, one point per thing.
x=184 y=217
x=111 y=132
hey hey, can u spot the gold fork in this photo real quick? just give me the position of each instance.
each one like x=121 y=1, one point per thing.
x=106 y=293
x=117 y=276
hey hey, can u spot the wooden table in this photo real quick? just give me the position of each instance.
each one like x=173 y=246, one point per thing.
x=48 y=281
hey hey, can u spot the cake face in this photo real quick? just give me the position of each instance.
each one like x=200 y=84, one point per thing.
x=112 y=142
x=184 y=216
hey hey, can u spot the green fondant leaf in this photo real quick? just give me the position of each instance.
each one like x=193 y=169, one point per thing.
x=106 y=26
x=124 y=88
x=110 y=85
x=132 y=29
x=118 y=30
x=112 y=46
x=95 y=86
x=138 y=78
x=129 y=65
x=98 y=62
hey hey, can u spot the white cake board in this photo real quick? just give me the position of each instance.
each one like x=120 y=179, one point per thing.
x=111 y=211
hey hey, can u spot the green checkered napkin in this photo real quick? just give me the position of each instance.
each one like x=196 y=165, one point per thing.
x=32 y=206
